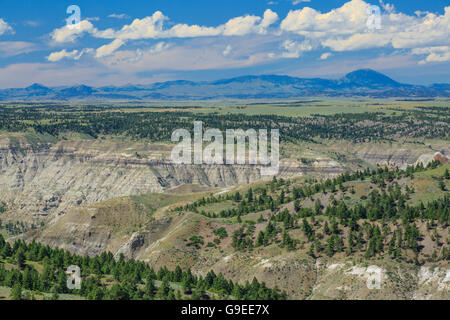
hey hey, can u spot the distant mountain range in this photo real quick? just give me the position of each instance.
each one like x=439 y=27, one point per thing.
x=359 y=83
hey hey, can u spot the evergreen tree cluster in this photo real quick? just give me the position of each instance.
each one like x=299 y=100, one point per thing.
x=130 y=279
x=158 y=126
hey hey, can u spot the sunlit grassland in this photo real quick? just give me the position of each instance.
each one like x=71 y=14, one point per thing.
x=302 y=107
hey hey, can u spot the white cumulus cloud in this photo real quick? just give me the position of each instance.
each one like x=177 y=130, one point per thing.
x=64 y=54
x=348 y=19
x=345 y=28
x=109 y=49
x=295 y=49
x=433 y=54
x=152 y=27
x=69 y=33
x=325 y=55
x=337 y=30
x=5 y=27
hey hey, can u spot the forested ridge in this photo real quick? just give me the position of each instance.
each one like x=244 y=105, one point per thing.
x=158 y=126
x=380 y=225
x=104 y=277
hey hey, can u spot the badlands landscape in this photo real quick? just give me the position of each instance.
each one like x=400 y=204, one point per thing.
x=358 y=210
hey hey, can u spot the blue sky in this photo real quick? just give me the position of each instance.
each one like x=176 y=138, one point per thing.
x=141 y=41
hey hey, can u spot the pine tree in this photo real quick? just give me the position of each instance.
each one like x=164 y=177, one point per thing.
x=16 y=292
x=260 y=239
x=163 y=290
x=311 y=250
x=20 y=259
x=399 y=239
x=317 y=207
x=350 y=243
x=61 y=283
x=371 y=250
x=186 y=286
x=150 y=287
x=297 y=206
x=392 y=243
x=446 y=174
x=308 y=230
x=326 y=229
x=339 y=244
x=27 y=279
x=250 y=195
x=329 y=249
x=282 y=197
x=171 y=295
x=317 y=246
x=178 y=274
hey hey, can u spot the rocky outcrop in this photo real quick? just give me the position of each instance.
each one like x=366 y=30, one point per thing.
x=398 y=155
x=127 y=249
x=425 y=159
x=44 y=181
